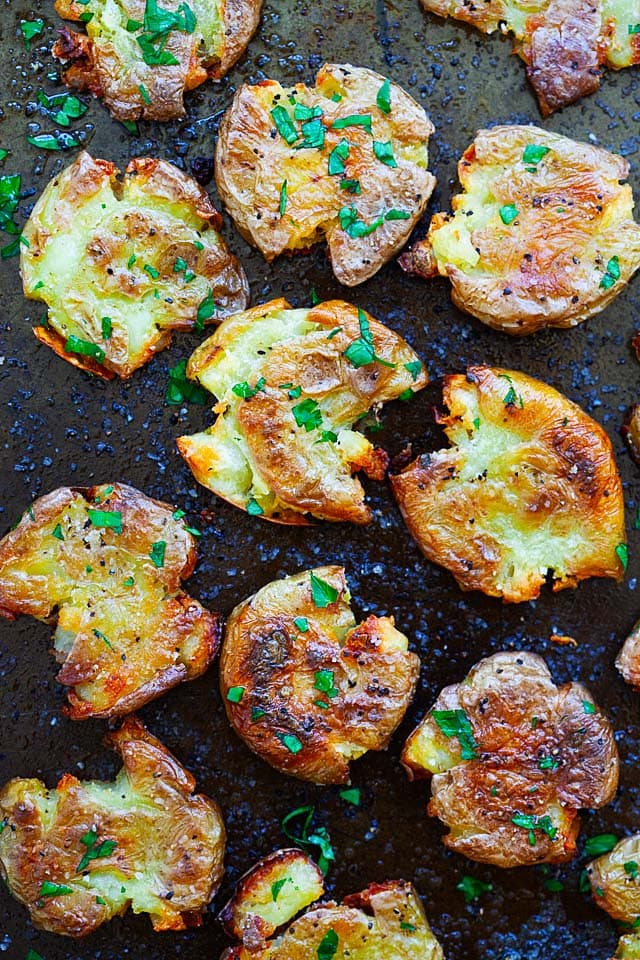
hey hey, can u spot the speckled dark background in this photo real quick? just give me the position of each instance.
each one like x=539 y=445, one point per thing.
x=59 y=426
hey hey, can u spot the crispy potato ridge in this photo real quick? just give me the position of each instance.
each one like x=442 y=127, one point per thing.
x=125 y=631
x=614 y=886
x=535 y=243
x=145 y=841
x=529 y=490
x=562 y=42
x=628 y=660
x=527 y=751
x=254 y=160
x=384 y=922
x=272 y=368
x=121 y=264
x=317 y=690
x=109 y=62
x=270 y=894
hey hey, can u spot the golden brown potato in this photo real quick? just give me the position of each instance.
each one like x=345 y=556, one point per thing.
x=104 y=564
x=628 y=660
x=512 y=758
x=141 y=56
x=543 y=235
x=306 y=688
x=631 y=431
x=615 y=881
x=85 y=852
x=121 y=264
x=290 y=385
x=270 y=894
x=529 y=491
x=345 y=160
x=384 y=922
x=628 y=947
x=563 y=42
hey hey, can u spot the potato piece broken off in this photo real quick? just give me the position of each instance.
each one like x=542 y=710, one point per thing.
x=121 y=264
x=270 y=894
x=141 y=56
x=343 y=161
x=104 y=564
x=615 y=881
x=307 y=688
x=291 y=385
x=88 y=851
x=628 y=660
x=384 y=922
x=512 y=759
x=542 y=236
x=528 y=492
x=563 y=43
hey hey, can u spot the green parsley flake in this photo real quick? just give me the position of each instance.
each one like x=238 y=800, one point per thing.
x=50 y=889
x=85 y=348
x=351 y=795
x=414 y=367
x=588 y=706
x=283 y=198
x=181 y=390
x=328 y=946
x=95 y=850
x=471 y=888
x=110 y=519
x=206 y=311
x=361 y=352
x=324 y=682
x=508 y=213
x=353 y=120
x=107 y=328
x=57 y=532
x=235 y=694
x=631 y=869
x=307 y=414
x=277 y=886
x=322 y=593
x=157 y=553
x=532 y=823
x=302 y=624
x=284 y=124
x=612 y=274
x=30 y=29
x=351 y=186
x=533 y=153
x=290 y=741
x=253 y=508
x=337 y=157
x=383 y=97
x=622 y=553
x=602 y=843
x=384 y=153
x=456 y=723
x=245 y=391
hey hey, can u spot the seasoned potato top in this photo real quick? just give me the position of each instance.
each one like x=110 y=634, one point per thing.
x=105 y=564
x=141 y=56
x=563 y=42
x=290 y=385
x=85 y=852
x=121 y=264
x=529 y=491
x=628 y=660
x=304 y=686
x=345 y=160
x=543 y=234
x=513 y=758
x=384 y=922
x=615 y=881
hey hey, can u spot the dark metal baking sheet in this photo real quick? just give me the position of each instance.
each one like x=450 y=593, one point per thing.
x=58 y=426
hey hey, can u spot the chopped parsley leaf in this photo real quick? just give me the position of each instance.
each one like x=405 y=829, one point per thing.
x=290 y=741
x=337 y=157
x=384 y=153
x=307 y=414
x=361 y=352
x=508 y=213
x=85 y=348
x=351 y=795
x=95 y=850
x=283 y=198
x=324 y=683
x=622 y=553
x=57 y=532
x=302 y=624
x=383 y=97
x=235 y=694
x=602 y=843
x=157 y=553
x=471 y=888
x=284 y=124
x=111 y=519
x=253 y=508
x=353 y=120
x=50 y=889
x=277 y=886
x=534 y=152
x=456 y=723
x=322 y=593
x=328 y=946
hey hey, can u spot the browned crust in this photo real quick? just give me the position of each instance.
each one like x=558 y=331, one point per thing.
x=50 y=338
x=477 y=798
x=180 y=623
x=144 y=841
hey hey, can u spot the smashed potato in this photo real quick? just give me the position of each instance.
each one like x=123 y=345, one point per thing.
x=270 y=894
x=88 y=851
x=306 y=688
x=615 y=880
x=121 y=264
x=563 y=43
x=529 y=491
x=141 y=56
x=512 y=759
x=628 y=947
x=628 y=660
x=344 y=161
x=543 y=235
x=384 y=922
x=290 y=385
x=105 y=564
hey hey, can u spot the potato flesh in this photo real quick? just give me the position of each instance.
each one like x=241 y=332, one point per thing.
x=385 y=922
x=530 y=487
x=123 y=625
x=284 y=346
x=535 y=749
x=166 y=840
x=615 y=889
x=628 y=948
x=114 y=252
